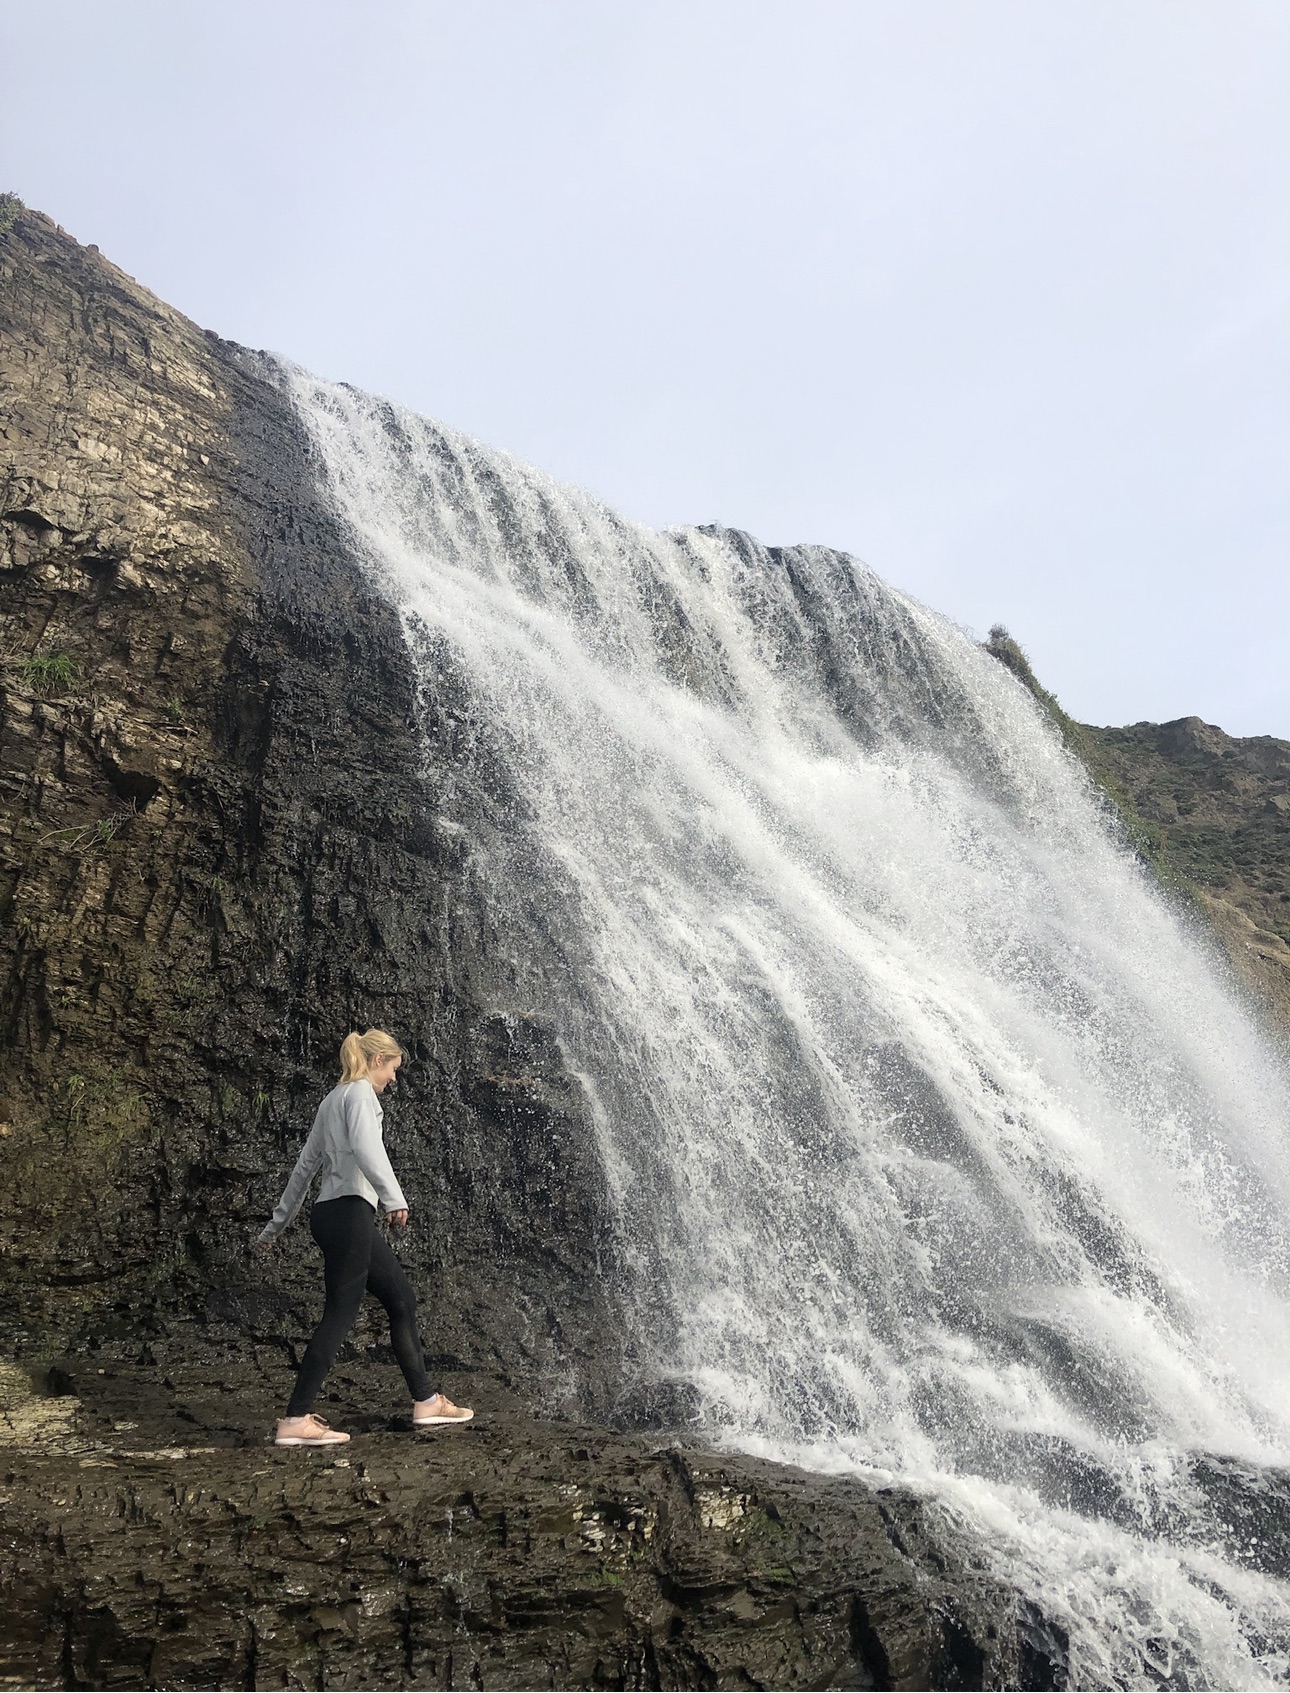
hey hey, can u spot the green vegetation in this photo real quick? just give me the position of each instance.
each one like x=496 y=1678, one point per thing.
x=1208 y=812
x=90 y=837
x=104 y=1110
x=759 y=1524
x=10 y=206
x=602 y=1577
x=1144 y=836
x=1222 y=806
x=52 y=673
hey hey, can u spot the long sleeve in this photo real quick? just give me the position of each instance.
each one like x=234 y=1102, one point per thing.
x=363 y=1121
x=311 y=1156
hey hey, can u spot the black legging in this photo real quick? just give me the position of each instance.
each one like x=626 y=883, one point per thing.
x=356 y=1260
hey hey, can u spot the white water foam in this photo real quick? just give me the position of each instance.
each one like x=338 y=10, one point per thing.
x=943 y=1148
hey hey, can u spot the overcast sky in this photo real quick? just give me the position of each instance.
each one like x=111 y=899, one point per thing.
x=992 y=293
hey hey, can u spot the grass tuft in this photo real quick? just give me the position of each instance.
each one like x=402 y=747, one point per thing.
x=87 y=837
x=52 y=674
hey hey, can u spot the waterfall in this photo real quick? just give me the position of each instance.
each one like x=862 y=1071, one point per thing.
x=943 y=1148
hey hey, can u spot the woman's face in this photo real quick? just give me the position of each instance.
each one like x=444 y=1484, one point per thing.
x=381 y=1071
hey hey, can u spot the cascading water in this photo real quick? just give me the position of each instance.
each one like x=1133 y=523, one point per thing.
x=942 y=1148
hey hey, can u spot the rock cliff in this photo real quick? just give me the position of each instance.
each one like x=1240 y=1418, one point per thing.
x=220 y=852
x=220 y=848
x=1211 y=813
x=1219 y=809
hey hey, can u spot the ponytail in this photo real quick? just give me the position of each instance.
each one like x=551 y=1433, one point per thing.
x=357 y=1052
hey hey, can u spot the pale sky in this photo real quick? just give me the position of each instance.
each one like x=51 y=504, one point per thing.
x=992 y=293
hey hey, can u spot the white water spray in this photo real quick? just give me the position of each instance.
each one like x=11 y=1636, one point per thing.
x=943 y=1150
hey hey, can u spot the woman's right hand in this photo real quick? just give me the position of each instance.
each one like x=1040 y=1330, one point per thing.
x=399 y=1219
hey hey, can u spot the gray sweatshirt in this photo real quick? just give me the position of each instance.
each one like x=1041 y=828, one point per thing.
x=345 y=1142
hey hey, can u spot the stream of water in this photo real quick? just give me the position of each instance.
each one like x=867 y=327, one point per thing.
x=943 y=1148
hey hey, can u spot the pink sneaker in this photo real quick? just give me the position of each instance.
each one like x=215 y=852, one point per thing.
x=439 y=1410
x=307 y=1431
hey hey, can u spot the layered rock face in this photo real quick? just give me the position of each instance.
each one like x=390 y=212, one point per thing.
x=221 y=852
x=220 y=848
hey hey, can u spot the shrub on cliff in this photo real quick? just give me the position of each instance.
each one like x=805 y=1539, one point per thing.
x=49 y=674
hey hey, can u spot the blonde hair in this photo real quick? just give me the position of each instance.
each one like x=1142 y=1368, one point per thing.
x=357 y=1052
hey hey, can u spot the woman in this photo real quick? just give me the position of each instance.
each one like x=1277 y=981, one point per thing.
x=345 y=1143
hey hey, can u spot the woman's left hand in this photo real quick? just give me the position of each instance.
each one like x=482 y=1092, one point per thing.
x=399 y=1219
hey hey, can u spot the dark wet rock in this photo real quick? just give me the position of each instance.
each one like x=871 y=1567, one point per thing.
x=170 y=1547
x=1248 y=1511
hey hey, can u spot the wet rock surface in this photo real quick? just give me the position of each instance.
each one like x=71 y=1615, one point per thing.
x=150 y=1536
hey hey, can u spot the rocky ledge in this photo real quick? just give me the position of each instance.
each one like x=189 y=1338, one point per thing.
x=150 y=1536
